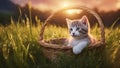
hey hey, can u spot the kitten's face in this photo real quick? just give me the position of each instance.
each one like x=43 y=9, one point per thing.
x=78 y=28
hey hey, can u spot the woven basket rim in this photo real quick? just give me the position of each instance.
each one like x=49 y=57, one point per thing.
x=45 y=44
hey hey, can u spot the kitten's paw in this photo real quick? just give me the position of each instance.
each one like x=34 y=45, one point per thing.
x=76 y=50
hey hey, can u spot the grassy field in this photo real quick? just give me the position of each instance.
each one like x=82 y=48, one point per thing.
x=19 y=48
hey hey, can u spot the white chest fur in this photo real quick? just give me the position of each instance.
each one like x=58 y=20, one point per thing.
x=73 y=42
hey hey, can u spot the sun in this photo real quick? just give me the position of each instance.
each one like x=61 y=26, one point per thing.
x=65 y=4
x=73 y=11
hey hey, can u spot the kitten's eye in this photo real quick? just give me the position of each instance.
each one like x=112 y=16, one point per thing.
x=77 y=28
x=71 y=29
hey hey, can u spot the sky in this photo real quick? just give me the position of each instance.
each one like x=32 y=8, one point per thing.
x=102 y=5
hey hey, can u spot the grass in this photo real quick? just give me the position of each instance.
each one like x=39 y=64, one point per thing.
x=19 y=48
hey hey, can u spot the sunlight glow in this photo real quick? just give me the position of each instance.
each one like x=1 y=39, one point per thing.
x=118 y=5
x=65 y=4
x=73 y=11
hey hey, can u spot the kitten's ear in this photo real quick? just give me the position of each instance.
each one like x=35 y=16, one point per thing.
x=68 y=21
x=84 y=20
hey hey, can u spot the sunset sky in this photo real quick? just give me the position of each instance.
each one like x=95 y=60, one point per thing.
x=43 y=5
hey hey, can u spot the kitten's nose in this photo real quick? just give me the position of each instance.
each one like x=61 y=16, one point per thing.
x=73 y=34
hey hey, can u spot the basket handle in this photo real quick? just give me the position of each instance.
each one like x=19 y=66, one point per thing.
x=100 y=22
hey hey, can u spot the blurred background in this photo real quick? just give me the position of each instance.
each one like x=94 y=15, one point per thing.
x=109 y=10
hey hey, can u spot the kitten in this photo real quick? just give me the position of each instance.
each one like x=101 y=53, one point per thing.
x=80 y=34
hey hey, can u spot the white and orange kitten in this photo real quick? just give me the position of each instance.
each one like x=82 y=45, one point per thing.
x=80 y=34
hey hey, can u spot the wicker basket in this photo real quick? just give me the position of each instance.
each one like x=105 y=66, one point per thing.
x=52 y=49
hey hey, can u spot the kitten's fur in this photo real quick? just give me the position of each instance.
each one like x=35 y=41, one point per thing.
x=80 y=34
